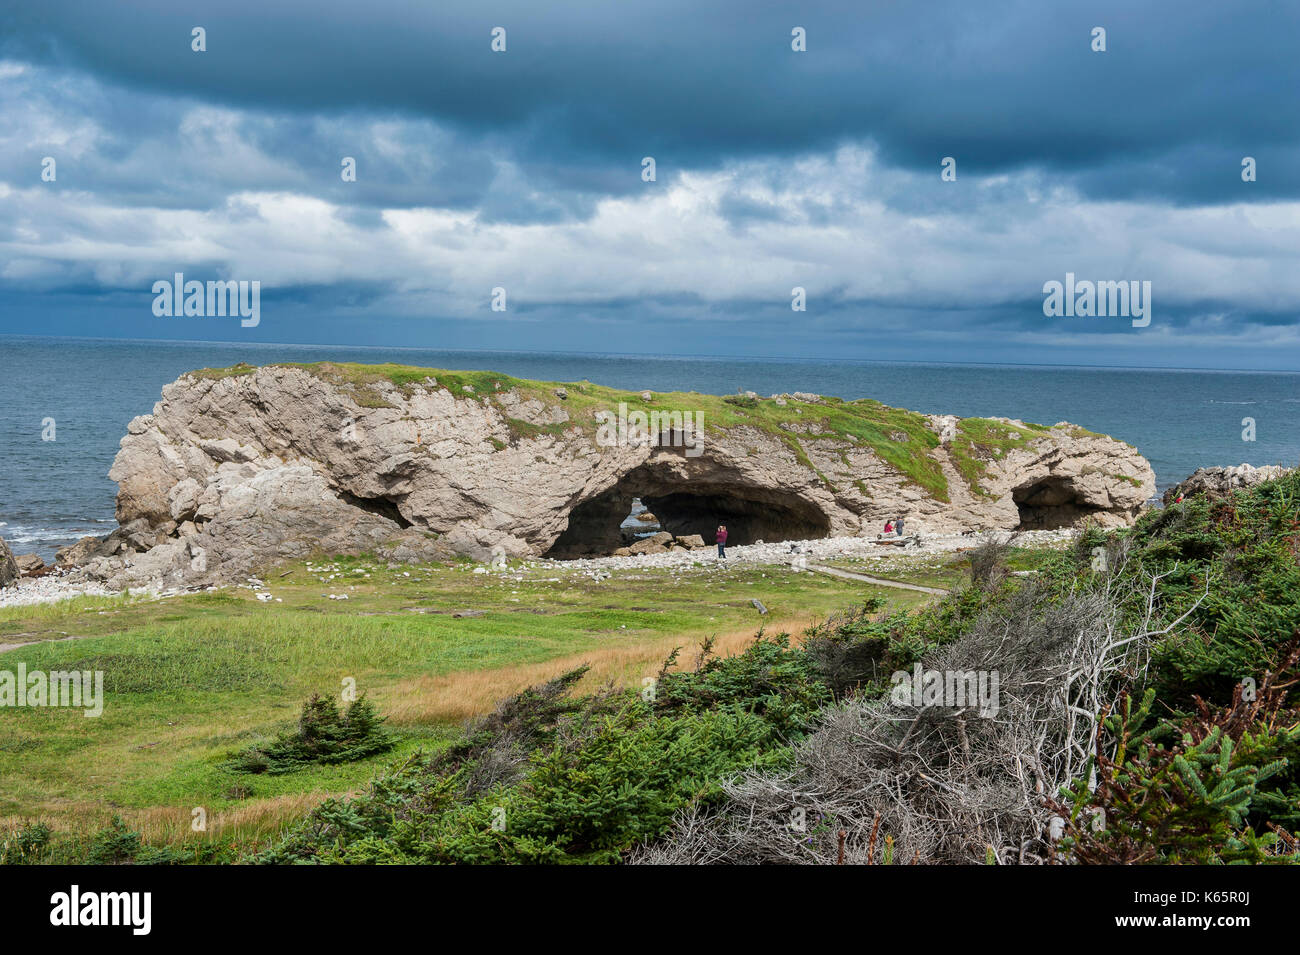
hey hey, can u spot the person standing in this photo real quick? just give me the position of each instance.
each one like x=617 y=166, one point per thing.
x=722 y=541
x=898 y=526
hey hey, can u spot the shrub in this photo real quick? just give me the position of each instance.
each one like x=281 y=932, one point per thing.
x=988 y=562
x=323 y=736
x=25 y=845
x=1185 y=791
x=573 y=779
x=768 y=679
x=116 y=844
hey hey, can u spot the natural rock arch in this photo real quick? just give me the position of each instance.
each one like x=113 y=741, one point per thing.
x=1049 y=504
x=686 y=504
x=238 y=468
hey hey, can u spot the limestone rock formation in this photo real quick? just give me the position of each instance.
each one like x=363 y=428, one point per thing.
x=1220 y=481
x=8 y=566
x=241 y=468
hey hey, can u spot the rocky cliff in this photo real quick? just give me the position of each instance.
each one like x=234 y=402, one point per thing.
x=237 y=468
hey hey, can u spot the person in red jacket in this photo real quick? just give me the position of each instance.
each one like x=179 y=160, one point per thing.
x=889 y=527
x=722 y=541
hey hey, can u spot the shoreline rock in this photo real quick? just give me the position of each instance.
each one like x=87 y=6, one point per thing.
x=1221 y=481
x=244 y=468
x=8 y=566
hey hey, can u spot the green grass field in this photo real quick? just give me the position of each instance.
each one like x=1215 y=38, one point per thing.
x=190 y=680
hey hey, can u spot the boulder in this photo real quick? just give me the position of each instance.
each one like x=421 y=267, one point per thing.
x=84 y=550
x=1220 y=481
x=654 y=544
x=8 y=566
x=692 y=541
x=647 y=547
x=29 y=564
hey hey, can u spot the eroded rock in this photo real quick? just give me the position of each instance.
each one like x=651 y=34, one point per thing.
x=235 y=472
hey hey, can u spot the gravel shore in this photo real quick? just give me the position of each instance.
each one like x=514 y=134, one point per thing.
x=812 y=550
x=59 y=586
x=48 y=589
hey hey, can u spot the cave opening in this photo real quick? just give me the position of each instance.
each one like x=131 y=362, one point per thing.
x=1048 y=505
x=380 y=506
x=599 y=525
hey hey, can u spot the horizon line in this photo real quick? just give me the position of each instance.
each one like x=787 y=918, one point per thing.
x=648 y=357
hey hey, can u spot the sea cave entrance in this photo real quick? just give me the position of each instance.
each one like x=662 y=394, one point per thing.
x=599 y=525
x=1048 y=505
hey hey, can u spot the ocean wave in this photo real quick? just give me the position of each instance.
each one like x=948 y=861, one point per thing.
x=31 y=535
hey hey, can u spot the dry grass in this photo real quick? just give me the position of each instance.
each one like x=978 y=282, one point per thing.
x=457 y=697
x=247 y=823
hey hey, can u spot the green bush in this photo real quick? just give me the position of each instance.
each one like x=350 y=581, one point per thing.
x=323 y=736
x=25 y=845
x=114 y=845
x=549 y=778
x=1184 y=792
x=768 y=679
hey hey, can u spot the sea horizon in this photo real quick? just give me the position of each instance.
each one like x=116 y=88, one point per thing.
x=660 y=356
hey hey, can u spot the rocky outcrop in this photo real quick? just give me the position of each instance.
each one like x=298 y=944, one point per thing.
x=237 y=470
x=1219 y=481
x=8 y=566
x=29 y=564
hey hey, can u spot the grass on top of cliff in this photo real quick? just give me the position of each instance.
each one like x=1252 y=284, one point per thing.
x=191 y=680
x=981 y=440
x=901 y=438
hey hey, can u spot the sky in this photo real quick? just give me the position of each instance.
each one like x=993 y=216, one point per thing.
x=522 y=169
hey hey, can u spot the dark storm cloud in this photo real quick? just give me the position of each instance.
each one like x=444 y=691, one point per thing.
x=775 y=169
x=999 y=85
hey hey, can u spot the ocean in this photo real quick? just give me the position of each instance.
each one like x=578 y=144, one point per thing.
x=82 y=392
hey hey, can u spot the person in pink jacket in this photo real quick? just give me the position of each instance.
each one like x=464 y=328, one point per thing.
x=722 y=541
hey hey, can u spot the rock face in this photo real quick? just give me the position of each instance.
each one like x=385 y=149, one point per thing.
x=1218 y=481
x=8 y=566
x=235 y=471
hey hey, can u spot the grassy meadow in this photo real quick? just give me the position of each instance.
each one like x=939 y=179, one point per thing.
x=191 y=680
